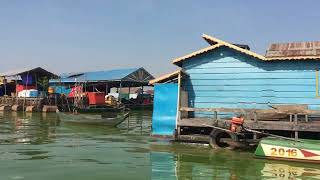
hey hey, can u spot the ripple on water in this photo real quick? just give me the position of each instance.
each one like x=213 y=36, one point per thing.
x=40 y=147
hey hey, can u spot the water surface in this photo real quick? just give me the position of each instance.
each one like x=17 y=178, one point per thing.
x=37 y=146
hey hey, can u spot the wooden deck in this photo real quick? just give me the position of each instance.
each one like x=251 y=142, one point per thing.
x=311 y=126
x=283 y=119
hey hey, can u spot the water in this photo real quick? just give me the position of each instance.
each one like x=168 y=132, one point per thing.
x=37 y=146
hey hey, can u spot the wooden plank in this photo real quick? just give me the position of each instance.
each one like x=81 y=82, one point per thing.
x=257 y=100
x=279 y=87
x=283 y=81
x=234 y=110
x=284 y=126
x=195 y=122
x=259 y=112
x=183 y=103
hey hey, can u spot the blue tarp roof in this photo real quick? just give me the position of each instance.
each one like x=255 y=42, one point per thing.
x=109 y=75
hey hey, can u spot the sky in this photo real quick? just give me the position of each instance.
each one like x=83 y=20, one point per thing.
x=88 y=35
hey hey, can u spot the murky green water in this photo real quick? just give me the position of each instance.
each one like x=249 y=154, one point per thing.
x=37 y=146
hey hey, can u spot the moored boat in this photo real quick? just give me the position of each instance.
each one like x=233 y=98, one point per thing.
x=110 y=119
x=100 y=109
x=293 y=150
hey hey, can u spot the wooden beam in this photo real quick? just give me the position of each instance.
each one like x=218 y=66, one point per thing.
x=311 y=126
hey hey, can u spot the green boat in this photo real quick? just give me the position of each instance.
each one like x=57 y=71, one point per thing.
x=293 y=150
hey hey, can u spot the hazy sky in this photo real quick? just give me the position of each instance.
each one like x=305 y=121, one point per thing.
x=76 y=35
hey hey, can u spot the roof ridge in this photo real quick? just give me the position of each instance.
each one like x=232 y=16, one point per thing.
x=219 y=43
x=259 y=56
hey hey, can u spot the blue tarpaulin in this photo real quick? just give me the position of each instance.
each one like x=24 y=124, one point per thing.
x=164 y=109
x=27 y=79
x=62 y=90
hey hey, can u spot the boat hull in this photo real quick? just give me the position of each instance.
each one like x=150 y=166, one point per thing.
x=139 y=106
x=99 y=109
x=302 y=150
x=92 y=119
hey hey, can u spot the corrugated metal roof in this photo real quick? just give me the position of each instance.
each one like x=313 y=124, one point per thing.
x=130 y=74
x=116 y=74
x=276 y=52
x=294 y=49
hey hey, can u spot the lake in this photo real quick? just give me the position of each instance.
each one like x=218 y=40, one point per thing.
x=38 y=146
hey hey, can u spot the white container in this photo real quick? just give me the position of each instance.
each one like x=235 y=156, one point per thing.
x=28 y=93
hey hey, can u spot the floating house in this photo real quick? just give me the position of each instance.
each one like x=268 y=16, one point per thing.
x=226 y=75
x=19 y=89
x=102 y=81
x=12 y=82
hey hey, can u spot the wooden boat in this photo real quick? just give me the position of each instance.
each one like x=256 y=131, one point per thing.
x=139 y=106
x=110 y=119
x=100 y=109
x=292 y=150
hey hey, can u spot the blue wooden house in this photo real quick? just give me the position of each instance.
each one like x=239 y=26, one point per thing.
x=226 y=75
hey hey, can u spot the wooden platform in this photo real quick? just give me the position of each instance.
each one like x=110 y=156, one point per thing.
x=311 y=126
x=287 y=120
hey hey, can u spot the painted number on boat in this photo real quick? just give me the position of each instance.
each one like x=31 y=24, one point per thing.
x=283 y=152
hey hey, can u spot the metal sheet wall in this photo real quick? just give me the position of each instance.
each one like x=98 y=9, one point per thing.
x=165 y=109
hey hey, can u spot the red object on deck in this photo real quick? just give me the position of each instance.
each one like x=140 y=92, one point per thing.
x=236 y=122
x=20 y=88
x=96 y=98
x=77 y=90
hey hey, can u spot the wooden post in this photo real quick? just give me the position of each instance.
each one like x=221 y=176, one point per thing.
x=255 y=117
x=215 y=115
x=178 y=105
x=107 y=89
x=120 y=91
x=16 y=78
x=35 y=78
x=296 y=133
x=5 y=86
x=306 y=118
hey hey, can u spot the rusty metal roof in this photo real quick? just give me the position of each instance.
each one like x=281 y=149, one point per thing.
x=294 y=50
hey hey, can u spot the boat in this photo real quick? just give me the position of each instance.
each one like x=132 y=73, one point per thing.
x=139 y=106
x=100 y=109
x=303 y=150
x=108 y=118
